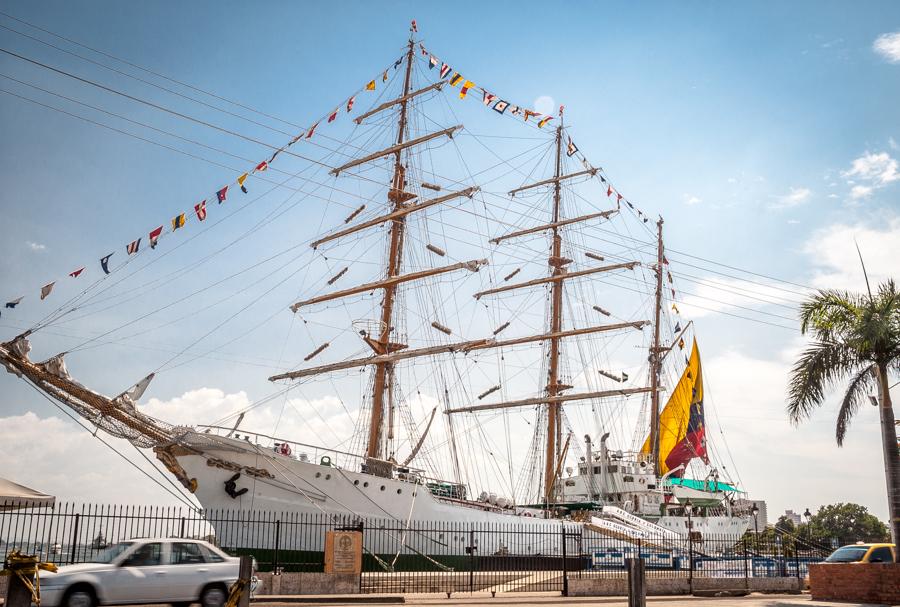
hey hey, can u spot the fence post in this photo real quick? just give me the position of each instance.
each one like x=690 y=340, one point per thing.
x=746 y=571
x=181 y=530
x=797 y=558
x=75 y=538
x=277 y=546
x=637 y=590
x=565 y=588
x=691 y=560
x=471 y=550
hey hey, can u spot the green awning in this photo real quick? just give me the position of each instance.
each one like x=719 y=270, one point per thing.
x=692 y=483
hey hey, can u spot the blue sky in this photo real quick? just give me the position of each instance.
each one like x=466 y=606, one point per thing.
x=766 y=135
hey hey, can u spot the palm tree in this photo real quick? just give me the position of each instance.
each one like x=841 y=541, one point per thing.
x=855 y=337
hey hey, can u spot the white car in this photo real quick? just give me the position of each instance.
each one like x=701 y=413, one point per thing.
x=177 y=571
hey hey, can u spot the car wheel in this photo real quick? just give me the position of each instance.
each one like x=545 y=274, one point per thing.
x=214 y=596
x=79 y=596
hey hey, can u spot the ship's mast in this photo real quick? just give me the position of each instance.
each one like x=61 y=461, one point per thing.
x=554 y=421
x=388 y=353
x=656 y=352
x=383 y=385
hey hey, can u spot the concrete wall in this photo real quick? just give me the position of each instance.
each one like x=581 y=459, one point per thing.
x=607 y=586
x=308 y=583
x=858 y=582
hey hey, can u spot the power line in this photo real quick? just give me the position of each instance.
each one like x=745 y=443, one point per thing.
x=149 y=71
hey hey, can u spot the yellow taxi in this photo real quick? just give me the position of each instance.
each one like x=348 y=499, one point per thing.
x=863 y=553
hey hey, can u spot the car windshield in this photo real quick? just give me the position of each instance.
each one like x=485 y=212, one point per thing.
x=109 y=555
x=847 y=554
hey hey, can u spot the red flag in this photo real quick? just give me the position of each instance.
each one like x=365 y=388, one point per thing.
x=154 y=236
x=221 y=194
x=77 y=272
x=350 y=103
x=413 y=26
x=609 y=191
x=262 y=166
x=561 y=109
x=200 y=209
x=312 y=130
x=618 y=197
x=333 y=116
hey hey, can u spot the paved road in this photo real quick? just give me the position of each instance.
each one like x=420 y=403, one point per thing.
x=554 y=599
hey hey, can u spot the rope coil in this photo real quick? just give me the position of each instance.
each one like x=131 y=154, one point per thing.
x=26 y=568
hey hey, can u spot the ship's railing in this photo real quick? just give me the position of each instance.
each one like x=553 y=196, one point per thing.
x=432 y=556
x=298 y=450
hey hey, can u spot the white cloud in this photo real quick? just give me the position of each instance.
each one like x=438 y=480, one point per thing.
x=72 y=464
x=796 y=196
x=793 y=222
x=799 y=466
x=545 y=105
x=36 y=246
x=893 y=143
x=833 y=254
x=690 y=199
x=732 y=180
x=878 y=169
x=888 y=46
x=858 y=192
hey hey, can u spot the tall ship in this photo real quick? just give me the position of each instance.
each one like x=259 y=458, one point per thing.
x=491 y=316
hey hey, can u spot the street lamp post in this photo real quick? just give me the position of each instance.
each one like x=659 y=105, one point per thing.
x=755 y=512
x=807 y=515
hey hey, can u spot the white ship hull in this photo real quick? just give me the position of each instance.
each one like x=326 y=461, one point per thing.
x=281 y=484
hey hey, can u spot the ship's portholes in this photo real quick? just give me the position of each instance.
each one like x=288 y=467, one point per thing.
x=318 y=474
x=382 y=487
x=356 y=482
x=366 y=484
x=399 y=491
x=327 y=477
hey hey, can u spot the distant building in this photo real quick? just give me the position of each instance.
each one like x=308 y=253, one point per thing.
x=762 y=519
x=793 y=517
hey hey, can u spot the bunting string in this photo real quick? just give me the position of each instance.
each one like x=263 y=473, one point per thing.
x=504 y=107
x=199 y=210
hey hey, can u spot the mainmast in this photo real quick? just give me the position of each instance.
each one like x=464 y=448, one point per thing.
x=656 y=352
x=384 y=376
x=554 y=421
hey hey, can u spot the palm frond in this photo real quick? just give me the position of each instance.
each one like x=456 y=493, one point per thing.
x=856 y=394
x=828 y=313
x=819 y=366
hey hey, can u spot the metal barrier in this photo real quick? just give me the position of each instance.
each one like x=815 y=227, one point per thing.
x=433 y=556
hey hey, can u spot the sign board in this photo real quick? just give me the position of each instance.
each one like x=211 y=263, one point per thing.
x=343 y=552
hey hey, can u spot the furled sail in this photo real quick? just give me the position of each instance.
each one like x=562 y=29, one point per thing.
x=682 y=429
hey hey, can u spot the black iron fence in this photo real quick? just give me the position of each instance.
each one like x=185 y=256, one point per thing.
x=400 y=556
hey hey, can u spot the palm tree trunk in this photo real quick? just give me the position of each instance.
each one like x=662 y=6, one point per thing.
x=891 y=456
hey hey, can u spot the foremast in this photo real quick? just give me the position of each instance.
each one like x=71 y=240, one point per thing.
x=384 y=377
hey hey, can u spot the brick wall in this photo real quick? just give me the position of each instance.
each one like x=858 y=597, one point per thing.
x=859 y=582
